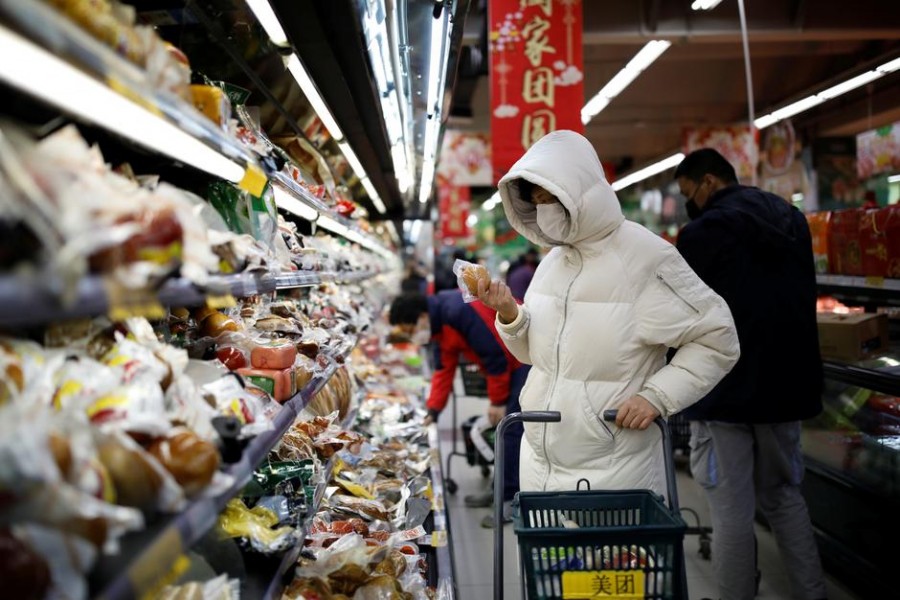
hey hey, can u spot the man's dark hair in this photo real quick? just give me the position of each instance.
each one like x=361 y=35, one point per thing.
x=407 y=308
x=706 y=161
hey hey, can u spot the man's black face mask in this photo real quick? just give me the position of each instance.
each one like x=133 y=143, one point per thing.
x=693 y=210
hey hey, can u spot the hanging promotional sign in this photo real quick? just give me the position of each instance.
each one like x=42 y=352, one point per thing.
x=466 y=158
x=736 y=143
x=878 y=151
x=454 y=203
x=537 y=82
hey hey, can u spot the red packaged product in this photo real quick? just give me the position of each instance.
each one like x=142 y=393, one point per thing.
x=844 y=256
x=274 y=354
x=278 y=383
x=873 y=241
x=820 y=230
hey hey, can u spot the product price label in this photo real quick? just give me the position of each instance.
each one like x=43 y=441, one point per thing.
x=123 y=89
x=160 y=564
x=874 y=281
x=125 y=303
x=438 y=539
x=254 y=181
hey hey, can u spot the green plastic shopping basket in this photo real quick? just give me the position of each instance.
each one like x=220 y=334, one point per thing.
x=602 y=544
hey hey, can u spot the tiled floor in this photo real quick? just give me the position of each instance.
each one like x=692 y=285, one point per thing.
x=473 y=545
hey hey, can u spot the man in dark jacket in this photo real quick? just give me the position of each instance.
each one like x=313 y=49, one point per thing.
x=467 y=329
x=754 y=249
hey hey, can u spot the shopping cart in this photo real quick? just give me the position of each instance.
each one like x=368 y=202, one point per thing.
x=591 y=544
x=474 y=384
x=680 y=434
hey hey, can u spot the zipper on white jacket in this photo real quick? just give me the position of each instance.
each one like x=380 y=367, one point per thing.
x=674 y=291
x=562 y=328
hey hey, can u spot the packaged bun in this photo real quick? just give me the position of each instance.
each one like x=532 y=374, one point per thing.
x=137 y=483
x=191 y=461
x=467 y=276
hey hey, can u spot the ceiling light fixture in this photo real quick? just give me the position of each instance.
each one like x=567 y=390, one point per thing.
x=828 y=94
x=42 y=74
x=286 y=201
x=312 y=94
x=269 y=21
x=643 y=59
x=373 y=195
x=705 y=4
x=648 y=171
x=894 y=179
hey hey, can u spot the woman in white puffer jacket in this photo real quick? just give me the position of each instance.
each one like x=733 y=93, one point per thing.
x=603 y=307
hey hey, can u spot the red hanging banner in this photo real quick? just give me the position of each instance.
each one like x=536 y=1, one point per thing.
x=537 y=82
x=453 y=204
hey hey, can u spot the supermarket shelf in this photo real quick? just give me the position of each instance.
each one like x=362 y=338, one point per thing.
x=48 y=29
x=149 y=556
x=865 y=290
x=871 y=379
x=284 y=574
x=299 y=279
x=440 y=539
x=33 y=301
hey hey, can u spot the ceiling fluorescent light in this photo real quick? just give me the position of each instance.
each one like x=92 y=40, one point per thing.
x=285 y=201
x=351 y=157
x=649 y=171
x=438 y=34
x=44 y=75
x=373 y=195
x=643 y=59
x=889 y=67
x=705 y=4
x=827 y=94
x=427 y=180
x=312 y=94
x=266 y=17
x=850 y=84
x=894 y=179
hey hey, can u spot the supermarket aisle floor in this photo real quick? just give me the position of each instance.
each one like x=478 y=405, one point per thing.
x=473 y=545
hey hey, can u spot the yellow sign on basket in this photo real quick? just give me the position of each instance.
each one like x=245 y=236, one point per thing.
x=602 y=584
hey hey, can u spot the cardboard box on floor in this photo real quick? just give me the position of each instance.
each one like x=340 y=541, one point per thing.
x=852 y=337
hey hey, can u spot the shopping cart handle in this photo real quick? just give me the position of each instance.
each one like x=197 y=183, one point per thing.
x=541 y=416
x=671 y=490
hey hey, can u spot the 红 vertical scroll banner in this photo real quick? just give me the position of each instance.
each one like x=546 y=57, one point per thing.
x=454 y=202
x=537 y=79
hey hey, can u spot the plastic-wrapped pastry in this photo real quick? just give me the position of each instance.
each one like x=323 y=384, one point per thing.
x=192 y=461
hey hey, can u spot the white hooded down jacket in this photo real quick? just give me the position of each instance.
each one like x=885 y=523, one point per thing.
x=601 y=311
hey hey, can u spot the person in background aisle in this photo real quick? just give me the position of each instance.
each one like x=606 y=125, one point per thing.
x=467 y=329
x=605 y=303
x=520 y=274
x=754 y=249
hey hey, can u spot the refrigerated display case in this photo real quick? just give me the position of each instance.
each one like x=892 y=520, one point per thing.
x=852 y=457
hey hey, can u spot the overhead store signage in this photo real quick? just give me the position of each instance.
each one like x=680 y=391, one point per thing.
x=878 y=151
x=466 y=158
x=736 y=143
x=454 y=203
x=537 y=80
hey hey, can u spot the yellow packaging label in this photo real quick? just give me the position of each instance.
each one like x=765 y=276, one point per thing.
x=67 y=389
x=223 y=301
x=355 y=489
x=254 y=181
x=875 y=281
x=603 y=584
x=105 y=403
x=438 y=539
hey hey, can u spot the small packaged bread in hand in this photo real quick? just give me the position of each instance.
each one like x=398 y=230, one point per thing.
x=467 y=276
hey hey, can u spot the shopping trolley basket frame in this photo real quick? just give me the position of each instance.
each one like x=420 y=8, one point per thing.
x=634 y=524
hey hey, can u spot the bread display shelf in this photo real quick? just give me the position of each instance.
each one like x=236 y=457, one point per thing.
x=150 y=558
x=47 y=28
x=33 y=301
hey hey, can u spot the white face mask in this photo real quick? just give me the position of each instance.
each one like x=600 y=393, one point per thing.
x=553 y=221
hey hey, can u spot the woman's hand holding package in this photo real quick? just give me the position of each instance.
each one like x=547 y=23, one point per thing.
x=497 y=296
x=636 y=413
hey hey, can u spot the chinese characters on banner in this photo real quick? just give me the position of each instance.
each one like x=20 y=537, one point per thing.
x=453 y=204
x=536 y=74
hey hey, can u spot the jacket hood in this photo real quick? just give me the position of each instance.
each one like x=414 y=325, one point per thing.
x=565 y=164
